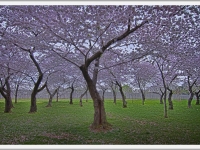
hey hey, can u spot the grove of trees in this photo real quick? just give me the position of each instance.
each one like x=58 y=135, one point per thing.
x=99 y=48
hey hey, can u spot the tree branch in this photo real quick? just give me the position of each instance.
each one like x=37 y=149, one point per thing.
x=114 y=40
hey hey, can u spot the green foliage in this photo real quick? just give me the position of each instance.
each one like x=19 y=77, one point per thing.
x=69 y=124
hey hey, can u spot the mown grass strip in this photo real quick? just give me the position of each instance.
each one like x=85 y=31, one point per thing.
x=69 y=124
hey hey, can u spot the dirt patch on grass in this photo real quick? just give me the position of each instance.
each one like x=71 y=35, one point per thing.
x=140 y=122
x=143 y=122
x=60 y=136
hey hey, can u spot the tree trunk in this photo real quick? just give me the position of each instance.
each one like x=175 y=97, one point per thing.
x=99 y=121
x=99 y=114
x=33 y=107
x=122 y=94
x=165 y=89
x=50 y=102
x=81 y=97
x=143 y=96
x=57 y=95
x=86 y=96
x=114 y=94
x=51 y=95
x=165 y=104
x=71 y=94
x=141 y=90
x=197 y=97
x=190 y=99
x=161 y=96
x=170 y=99
x=16 y=92
x=8 y=104
x=6 y=93
x=190 y=85
x=103 y=94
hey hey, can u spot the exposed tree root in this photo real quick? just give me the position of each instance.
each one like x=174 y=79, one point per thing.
x=101 y=128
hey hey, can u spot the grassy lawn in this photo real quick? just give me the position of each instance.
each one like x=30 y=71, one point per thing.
x=69 y=124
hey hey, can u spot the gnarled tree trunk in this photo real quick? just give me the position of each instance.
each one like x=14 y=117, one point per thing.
x=71 y=94
x=57 y=95
x=104 y=90
x=165 y=103
x=143 y=96
x=122 y=94
x=16 y=92
x=170 y=99
x=99 y=121
x=197 y=94
x=33 y=107
x=6 y=93
x=190 y=85
x=161 y=96
x=142 y=91
x=190 y=99
x=114 y=95
x=51 y=95
x=81 y=97
x=86 y=96
x=165 y=89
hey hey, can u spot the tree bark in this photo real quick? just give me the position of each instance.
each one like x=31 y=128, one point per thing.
x=33 y=107
x=143 y=96
x=81 y=97
x=104 y=90
x=161 y=96
x=122 y=94
x=6 y=93
x=190 y=85
x=86 y=96
x=71 y=94
x=165 y=103
x=57 y=95
x=99 y=121
x=8 y=102
x=51 y=95
x=190 y=99
x=170 y=99
x=114 y=95
x=16 y=92
x=197 y=97
x=165 y=90
x=141 y=90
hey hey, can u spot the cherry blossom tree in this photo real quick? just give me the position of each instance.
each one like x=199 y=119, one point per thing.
x=9 y=68
x=18 y=80
x=142 y=73
x=82 y=35
x=54 y=82
x=89 y=47
x=192 y=71
x=26 y=35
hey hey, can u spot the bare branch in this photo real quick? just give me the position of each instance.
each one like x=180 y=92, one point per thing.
x=114 y=40
x=66 y=58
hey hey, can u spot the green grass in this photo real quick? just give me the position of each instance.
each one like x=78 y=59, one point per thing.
x=69 y=124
